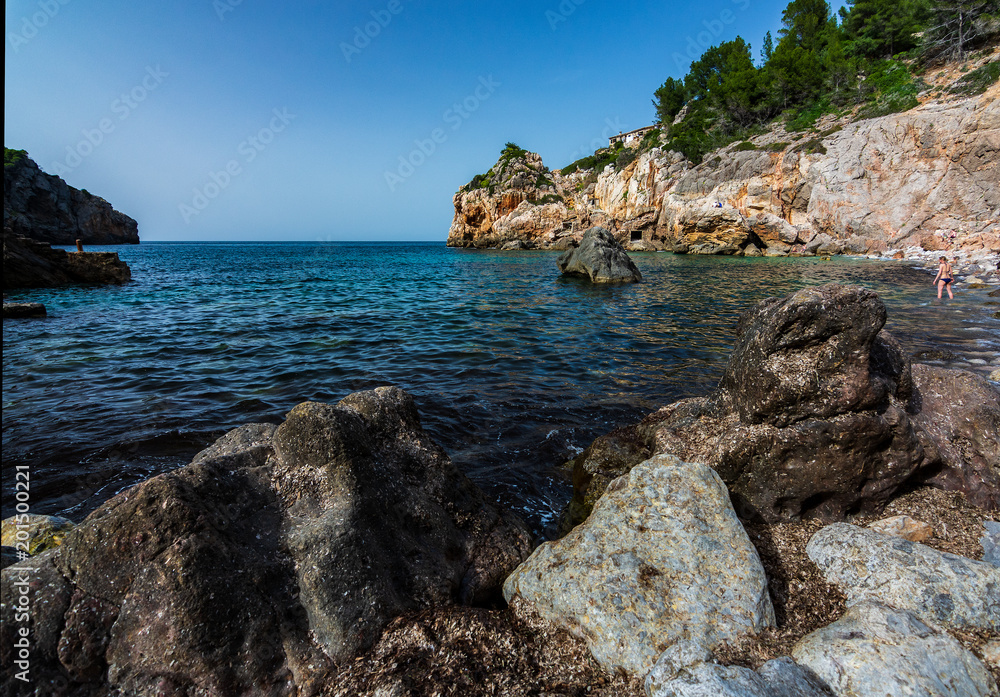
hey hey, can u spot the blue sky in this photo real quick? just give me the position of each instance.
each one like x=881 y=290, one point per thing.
x=316 y=120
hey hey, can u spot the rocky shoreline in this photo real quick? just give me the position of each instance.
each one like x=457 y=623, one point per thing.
x=341 y=553
x=900 y=186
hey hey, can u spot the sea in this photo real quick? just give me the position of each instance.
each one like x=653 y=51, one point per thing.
x=515 y=369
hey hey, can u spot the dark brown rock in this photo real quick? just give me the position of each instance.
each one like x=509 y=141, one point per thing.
x=23 y=310
x=809 y=421
x=45 y=208
x=278 y=554
x=960 y=413
x=31 y=264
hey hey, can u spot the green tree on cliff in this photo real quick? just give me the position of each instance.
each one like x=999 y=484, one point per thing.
x=882 y=28
x=957 y=26
x=669 y=99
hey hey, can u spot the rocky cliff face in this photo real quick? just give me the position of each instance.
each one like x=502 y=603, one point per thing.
x=43 y=207
x=901 y=183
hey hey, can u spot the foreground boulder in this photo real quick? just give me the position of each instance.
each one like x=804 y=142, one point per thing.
x=662 y=559
x=945 y=589
x=818 y=414
x=31 y=264
x=879 y=651
x=278 y=554
x=959 y=412
x=810 y=418
x=601 y=258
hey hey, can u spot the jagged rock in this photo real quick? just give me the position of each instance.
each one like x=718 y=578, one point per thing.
x=23 y=310
x=809 y=419
x=600 y=258
x=959 y=413
x=31 y=264
x=878 y=651
x=661 y=559
x=278 y=553
x=942 y=588
x=903 y=526
x=44 y=208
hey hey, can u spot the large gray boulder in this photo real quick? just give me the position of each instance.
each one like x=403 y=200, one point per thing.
x=276 y=555
x=878 y=651
x=662 y=559
x=601 y=258
x=936 y=586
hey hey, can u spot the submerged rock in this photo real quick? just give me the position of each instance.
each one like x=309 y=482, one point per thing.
x=878 y=651
x=276 y=555
x=662 y=559
x=942 y=588
x=601 y=258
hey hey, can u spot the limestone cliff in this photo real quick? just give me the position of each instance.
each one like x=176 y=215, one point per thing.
x=45 y=208
x=907 y=181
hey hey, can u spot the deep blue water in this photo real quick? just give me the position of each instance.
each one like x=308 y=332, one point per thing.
x=514 y=368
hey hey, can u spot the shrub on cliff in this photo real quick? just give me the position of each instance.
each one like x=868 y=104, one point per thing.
x=11 y=158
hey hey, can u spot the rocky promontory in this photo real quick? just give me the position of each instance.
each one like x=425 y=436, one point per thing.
x=31 y=264
x=920 y=180
x=45 y=208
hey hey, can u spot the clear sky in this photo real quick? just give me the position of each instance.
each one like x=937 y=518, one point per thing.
x=322 y=120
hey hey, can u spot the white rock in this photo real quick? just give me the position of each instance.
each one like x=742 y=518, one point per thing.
x=878 y=651
x=661 y=559
x=939 y=587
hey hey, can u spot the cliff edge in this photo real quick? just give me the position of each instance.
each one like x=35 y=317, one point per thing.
x=45 y=208
x=920 y=180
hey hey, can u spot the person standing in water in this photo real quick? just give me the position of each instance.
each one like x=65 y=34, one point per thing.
x=944 y=277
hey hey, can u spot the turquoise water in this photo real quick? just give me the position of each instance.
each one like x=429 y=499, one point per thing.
x=514 y=368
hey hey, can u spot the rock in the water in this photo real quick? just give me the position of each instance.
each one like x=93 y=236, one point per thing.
x=661 y=559
x=960 y=413
x=939 y=587
x=809 y=420
x=35 y=533
x=903 y=526
x=601 y=258
x=878 y=651
x=23 y=310
x=991 y=543
x=276 y=554
x=31 y=264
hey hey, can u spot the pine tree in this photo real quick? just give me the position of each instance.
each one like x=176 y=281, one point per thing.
x=767 y=50
x=882 y=28
x=669 y=101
